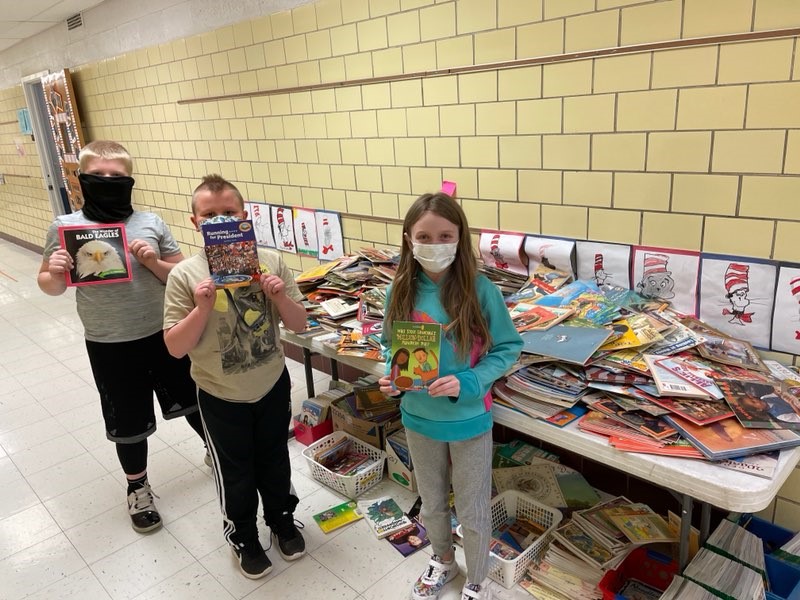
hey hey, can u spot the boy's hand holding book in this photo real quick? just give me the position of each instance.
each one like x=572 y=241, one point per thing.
x=272 y=286
x=205 y=293
x=60 y=262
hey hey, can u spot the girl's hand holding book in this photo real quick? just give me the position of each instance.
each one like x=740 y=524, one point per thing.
x=449 y=385
x=385 y=384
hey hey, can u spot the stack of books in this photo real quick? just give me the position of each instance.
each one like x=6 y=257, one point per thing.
x=342 y=458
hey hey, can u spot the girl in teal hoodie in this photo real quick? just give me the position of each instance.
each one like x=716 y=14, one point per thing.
x=449 y=424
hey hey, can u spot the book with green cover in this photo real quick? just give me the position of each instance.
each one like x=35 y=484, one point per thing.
x=416 y=348
x=338 y=516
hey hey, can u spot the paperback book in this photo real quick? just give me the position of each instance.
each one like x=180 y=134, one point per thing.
x=99 y=254
x=532 y=316
x=564 y=342
x=761 y=405
x=416 y=348
x=338 y=516
x=668 y=383
x=384 y=516
x=728 y=439
x=232 y=253
x=410 y=539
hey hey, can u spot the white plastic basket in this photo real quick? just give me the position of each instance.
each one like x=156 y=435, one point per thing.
x=349 y=485
x=513 y=504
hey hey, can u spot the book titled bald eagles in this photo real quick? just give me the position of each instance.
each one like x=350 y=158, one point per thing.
x=231 y=252
x=415 y=355
x=99 y=253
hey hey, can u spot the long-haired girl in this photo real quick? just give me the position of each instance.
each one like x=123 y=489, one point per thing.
x=451 y=421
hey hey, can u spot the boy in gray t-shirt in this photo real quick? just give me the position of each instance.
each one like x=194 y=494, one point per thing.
x=122 y=321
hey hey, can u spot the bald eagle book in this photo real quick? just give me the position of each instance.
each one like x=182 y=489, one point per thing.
x=99 y=253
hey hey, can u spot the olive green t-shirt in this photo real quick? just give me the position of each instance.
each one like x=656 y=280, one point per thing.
x=239 y=356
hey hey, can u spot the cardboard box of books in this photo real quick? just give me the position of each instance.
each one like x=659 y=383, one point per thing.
x=373 y=433
x=398 y=461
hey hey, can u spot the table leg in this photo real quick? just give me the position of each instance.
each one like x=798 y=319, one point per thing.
x=705 y=522
x=686 y=527
x=334 y=369
x=309 y=372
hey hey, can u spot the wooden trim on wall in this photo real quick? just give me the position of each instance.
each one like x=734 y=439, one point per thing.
x=520 y=62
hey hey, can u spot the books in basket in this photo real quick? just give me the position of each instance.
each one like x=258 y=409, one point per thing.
x=416 y=348
x=338 y=516
x=342 y=458
x=99 y=253
x=384 y=516
x=232 y=253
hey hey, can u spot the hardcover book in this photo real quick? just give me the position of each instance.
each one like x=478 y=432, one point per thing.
x=384 y=516
x=761 y=405
x=232 y=253
x=338 y=516
x=99 y=253
x=416 y=348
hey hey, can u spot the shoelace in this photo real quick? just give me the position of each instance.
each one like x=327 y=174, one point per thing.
x=283 y=530
x=437 y=568
x=143 y=498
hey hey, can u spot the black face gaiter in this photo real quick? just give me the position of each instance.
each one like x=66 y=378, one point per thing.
x=106 y=199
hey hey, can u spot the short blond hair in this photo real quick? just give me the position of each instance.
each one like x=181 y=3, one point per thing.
x=107 y=150
x=216 y=184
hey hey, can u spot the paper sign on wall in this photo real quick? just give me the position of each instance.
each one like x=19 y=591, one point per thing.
x=553 y=253
x=786 y=316
x=606 y=264
x=667 y=274
x=305 y=231
x=262 y=223
x=282 y=229
x=329 y=231
x=736 y=297
x=503 y=251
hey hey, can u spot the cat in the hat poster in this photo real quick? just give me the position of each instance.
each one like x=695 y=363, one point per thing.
x=736 y=296
x=606 y=264
x=786 y=316
x=667 y=274
x=282 y=224
x=305 y=231
x=501 y=250
x=329 y=230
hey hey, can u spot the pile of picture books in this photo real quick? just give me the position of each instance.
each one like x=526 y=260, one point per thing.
x=563 y=576
x=367 y=402
x=405 y=532
x=314 y=411
x=790 y=551
x=342 y=458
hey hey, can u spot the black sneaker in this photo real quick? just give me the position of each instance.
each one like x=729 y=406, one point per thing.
x=253 y=561
x=288 y=538
x=142 y=509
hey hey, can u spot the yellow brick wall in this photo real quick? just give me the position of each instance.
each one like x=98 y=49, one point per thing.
x=695 y=147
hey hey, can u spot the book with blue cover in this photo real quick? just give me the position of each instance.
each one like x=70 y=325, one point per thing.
x=231 y=252
x=564 y=342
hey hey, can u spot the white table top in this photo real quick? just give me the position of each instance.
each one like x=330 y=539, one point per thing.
x=726 y=489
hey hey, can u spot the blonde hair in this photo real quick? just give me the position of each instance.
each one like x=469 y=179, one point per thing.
x=107 y=150
x=216 y=184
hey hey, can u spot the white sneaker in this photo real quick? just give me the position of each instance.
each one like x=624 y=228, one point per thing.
x=142 y=509
x=436 y=575
x=473 y=591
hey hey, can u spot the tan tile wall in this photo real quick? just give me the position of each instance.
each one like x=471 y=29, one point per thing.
x=694 y=148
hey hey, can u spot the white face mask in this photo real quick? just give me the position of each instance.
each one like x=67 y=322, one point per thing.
x=435 y=258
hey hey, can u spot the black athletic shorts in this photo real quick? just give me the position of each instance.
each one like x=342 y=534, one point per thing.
x=127 y=374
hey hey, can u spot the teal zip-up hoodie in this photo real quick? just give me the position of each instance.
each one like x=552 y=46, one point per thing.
x=453 y=419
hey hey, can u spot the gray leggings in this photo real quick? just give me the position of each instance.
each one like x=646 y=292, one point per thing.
x=472 y=475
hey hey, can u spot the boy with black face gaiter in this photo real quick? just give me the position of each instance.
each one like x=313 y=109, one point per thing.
x=122 y=321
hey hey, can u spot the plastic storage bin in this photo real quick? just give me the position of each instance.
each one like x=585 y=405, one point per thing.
x=652 y=568
x=513 y=504
x=351 y=486
x=784 y=579
x=772 y=536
